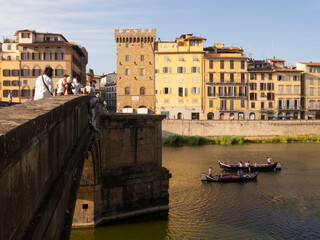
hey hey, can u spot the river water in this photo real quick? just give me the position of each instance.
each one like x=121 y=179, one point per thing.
x=279 y=205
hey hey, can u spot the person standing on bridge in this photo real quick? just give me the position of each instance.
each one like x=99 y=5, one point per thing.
x=44 y=85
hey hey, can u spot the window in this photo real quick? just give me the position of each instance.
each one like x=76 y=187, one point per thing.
x=127 y=45
x=156 y=71
x=195 y=116
x=6 y=83
x=195 y=90
x=253 y=86
x=181 y=70
x=270 y=76
x=253 y=105
x=211 y=103
x=195 y=69
x=24 y=48
x=166 y=70
x=243 y=64
x=47 y=56
x=25 y=35
x=180 y=58
x=9 y=58
x=47 y=48
x=142 y=71
x=15 y=72
x=280 y=89
x=157 y=91
x=58 y=48
x=243 y=103
x=142 y=91
x=311 y=69
x=288 y=89
x=25 y=81
x=231 y=64
x=270 y=96
x=311 y=81
x=6 y=72
x=242 y=91
x=252 y=76
x=57 y=72
x=211 y=77
x=142 y=58
x=296 y=78
x=270 y=104
x=36 y=48
x=318 y=81
x=127 y=91
x=142 y=45
x=25 y=93
x=221 y=64
x=127 y=58
x=166 y=90
x=127 y=71
x=253 y=96
x=15 y=93
x=210 y=64
x=9 y=47
x=15 y=83
x=181 y=92
x=59 y=56
x=35 y=56
x=270 y=86
x=211 y=90
x=231 y=104
x=24 y=56
x=262 y=105
x=280 y=78
x=166 y=58
x=263 y=86
x=195 y=58
x=311 y=91
x=25 y=72
x=262 y=76
x=242 y=77
x=221 y=77
x=296 y=89
x=318 y=91
x=231 y=77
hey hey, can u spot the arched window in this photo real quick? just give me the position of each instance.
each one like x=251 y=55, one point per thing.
x=210 y=116
x=127 y=91
x=252 y=116
x=138 y=40
x=25 y=72
x=179 y=115
x=241 y=116
x=142 y=91
x=231 y=116
x=221 y=116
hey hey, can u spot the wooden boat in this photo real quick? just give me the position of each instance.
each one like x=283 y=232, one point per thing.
x=252 y=167
x=230 y=177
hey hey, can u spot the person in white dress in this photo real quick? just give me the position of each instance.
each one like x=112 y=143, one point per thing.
x=44 y=85
x=76 y=86
x=61 y=85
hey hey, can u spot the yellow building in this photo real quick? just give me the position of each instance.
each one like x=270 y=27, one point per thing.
x=178 y=77
x=287 y=89
x=310 y=89
x=225 y=78
x=25 y=57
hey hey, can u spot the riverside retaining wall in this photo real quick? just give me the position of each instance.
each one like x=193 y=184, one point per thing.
x=239 y=128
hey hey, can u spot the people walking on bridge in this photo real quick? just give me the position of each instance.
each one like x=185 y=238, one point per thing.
x=76 y=86
x=44 y=85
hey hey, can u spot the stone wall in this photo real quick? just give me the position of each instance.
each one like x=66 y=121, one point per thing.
x=131 y=181
x=43 y=145
x=239 y=128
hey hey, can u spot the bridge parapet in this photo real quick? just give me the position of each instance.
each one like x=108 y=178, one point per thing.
x=43 y=146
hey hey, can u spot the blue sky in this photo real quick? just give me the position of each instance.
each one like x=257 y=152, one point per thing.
x=285 y=29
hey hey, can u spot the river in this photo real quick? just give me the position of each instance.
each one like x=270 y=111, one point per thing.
x=279 y=205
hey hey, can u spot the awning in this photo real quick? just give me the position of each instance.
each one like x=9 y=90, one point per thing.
x=270 y=115
x=280 y=115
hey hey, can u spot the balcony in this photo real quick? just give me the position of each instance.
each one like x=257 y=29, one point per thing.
x=289 y=108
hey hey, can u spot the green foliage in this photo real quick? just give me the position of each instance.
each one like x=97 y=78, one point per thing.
x=177 y=140
x=8 y=40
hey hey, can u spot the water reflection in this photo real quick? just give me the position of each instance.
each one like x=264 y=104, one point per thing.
x=279 y=205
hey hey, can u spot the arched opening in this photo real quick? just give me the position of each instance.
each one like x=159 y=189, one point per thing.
x=210 y=116
x=231 y=116
x=134 y=40
x=280 y=116
x=295 y=115
x=270 y=116
x=252 y=116
x=241 y=116
x=288 y=116
x=127 y=109
x=179 y=115
x=221 y=116
x=25 y=92
x=142 y=110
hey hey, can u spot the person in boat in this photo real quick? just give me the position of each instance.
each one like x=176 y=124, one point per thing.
x=240 y=164
x=240 y=173
x=269 y=160
x=210 y=171
x=246 y=164
x=255 y=164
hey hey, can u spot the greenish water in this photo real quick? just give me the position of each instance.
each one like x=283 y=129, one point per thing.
x=279 y=205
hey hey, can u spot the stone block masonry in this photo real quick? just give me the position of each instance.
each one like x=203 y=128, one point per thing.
x=244 y=128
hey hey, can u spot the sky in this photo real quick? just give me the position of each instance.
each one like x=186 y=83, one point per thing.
x=286 y=29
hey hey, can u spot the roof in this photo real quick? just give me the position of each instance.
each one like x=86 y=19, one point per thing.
x=276 y=60
x=286 y=70
x=310 y=63
x=47 y=33
x=195 y=38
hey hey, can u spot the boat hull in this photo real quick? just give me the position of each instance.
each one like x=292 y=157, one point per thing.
x=230 y=178
x=260 y=167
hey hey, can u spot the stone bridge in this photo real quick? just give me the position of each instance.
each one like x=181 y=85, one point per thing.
x=64 y=162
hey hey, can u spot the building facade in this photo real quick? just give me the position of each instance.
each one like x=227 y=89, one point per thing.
x=135 y=71
x=225 y=83
x=311 y=89
x=25 y=57
x=178 y=77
